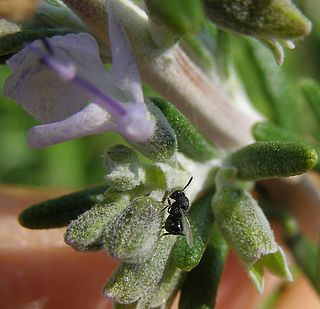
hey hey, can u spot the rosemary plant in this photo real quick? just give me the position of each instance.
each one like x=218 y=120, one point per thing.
x=220 y=110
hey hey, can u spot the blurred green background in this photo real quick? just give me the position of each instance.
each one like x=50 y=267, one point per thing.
x=274 y=91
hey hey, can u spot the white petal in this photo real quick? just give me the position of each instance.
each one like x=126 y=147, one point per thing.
x=124 y=67
x=91 y=120
x=41 y=92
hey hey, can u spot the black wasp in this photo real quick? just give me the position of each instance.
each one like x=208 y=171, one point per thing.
x=177 y=222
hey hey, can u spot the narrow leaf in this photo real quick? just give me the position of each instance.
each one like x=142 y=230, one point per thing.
x=60 y=211
x=266 y=131
x=190 y=141
x=263 y=160
x=307 y=255
x=12 y=43
x=311 y=91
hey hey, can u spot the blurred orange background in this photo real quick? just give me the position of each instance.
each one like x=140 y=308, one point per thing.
x=38 y=270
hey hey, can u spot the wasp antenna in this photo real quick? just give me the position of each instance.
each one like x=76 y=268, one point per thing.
x=187 y=183
x=47 y=45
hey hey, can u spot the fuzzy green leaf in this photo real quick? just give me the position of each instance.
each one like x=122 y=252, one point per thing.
x=265 y=131
x=163 y=143
x=190 y=141
x=60 y=211
x=272 y=159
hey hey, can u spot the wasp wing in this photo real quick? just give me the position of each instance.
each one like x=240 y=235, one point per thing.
x=187 y=230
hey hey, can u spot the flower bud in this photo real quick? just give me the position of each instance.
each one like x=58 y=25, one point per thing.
x=132 y=234
x=134 y=282
x=123 y=169
x=247 y=231
x=85 y=233
x=277 y=19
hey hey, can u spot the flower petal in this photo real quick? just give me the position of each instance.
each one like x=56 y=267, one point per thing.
x=124 y=69
x=41 y=92
x=137 y=125
x=91 y=120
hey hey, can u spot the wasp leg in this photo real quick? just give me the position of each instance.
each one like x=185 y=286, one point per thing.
x=168 y=206
x=165 y=208
x=166 y=195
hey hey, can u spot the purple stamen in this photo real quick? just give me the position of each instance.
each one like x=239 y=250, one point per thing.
x=68 y=73
x=101 y=99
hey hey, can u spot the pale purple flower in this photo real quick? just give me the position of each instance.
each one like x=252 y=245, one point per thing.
x=70 y=92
